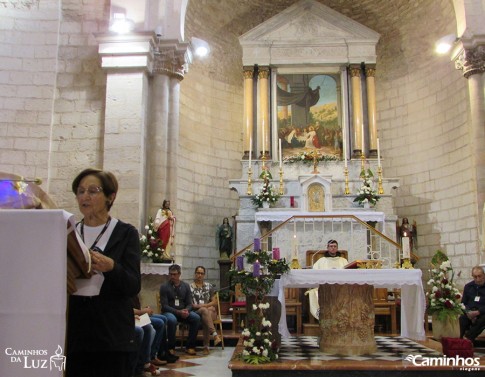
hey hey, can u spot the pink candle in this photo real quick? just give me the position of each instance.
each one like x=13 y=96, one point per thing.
x=276 y=253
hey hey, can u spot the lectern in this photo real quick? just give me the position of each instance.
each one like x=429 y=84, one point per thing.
x=33 y=270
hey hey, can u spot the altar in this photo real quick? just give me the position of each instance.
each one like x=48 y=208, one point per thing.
x=413 y=302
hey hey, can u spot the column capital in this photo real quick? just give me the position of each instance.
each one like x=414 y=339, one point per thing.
x=370 y=71
x=248 y=72
x=470 y=60
x=263 y=72
x=355 y=71
x=170 y=57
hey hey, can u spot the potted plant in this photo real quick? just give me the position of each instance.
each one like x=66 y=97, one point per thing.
x=150 y=244
x=443 y=298
x=225 y=301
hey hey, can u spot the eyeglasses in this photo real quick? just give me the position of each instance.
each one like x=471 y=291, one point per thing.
x=200 y=273
x=91 y=190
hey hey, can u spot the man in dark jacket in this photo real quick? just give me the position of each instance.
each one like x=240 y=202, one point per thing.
x=472 y=323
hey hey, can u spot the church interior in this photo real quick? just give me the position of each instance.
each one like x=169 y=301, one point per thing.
x=342 y=112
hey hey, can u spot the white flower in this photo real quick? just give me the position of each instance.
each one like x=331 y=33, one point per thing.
x=258 y=334
x=265 y=352
x=255 y=350
x=147 y=227
x=245 y=353
x=150 y=232
x=255 y=307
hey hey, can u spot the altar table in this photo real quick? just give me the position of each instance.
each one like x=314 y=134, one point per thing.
x=413 y=302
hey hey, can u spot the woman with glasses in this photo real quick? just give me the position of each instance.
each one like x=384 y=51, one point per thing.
x=204 y=304
x=101 y=326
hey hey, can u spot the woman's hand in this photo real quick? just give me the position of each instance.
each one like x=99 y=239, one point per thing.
x=101 y=262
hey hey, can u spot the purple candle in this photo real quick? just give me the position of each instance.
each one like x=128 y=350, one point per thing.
x=256 y=269
x=276 y=253
x=257 y=244
x=240 y=263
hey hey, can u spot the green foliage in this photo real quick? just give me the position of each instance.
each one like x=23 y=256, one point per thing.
x=307 y=158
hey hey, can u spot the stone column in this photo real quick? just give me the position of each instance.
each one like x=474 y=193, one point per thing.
x=248 y=110
x=370 y=73
x=472 y=62
x=263 y=130
x=357 y=121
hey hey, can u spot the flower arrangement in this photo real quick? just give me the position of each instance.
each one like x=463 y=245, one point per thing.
x=259 y=286
x=150 y=243
x=366 y=193
x=259 y=348
x=308 y=158
x=267 y=193
x=443 y=298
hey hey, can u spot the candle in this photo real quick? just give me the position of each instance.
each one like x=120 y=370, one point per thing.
x=344 y=139
x=281 y=160
x=276 y=253
x=406 y=247
x=363 y=142
x=257 y=244
x=250 y=151
x=378 y=153
x=256 y=269
x=293 y=244
x=262 y=136
x=240 y=263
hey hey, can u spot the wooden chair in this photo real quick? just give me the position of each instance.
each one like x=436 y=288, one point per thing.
x=218 y=320
x=238 y=307
x=293 y=306
x=384 y=307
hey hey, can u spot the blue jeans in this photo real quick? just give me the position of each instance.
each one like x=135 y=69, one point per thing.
x=159 y=345
x=193 y=320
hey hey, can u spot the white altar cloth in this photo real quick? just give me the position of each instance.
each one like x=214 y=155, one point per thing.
x=279 y=214
x=33 y=265
x=155 y=268
x=413 y=302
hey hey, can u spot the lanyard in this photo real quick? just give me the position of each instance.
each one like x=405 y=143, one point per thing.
x=99 y=235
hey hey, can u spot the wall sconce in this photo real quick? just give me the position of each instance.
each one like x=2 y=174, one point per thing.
x=120 y=24
x=200 y=48
x=444 y=44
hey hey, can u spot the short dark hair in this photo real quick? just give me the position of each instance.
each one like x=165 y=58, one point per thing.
x=174 y=267
x=196 y=268
x=108 y=182
x=332 y=241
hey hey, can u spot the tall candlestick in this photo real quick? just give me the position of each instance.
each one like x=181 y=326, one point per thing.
x=250 y=150
x=378 y=153
x=281 y=160
x=363 y=144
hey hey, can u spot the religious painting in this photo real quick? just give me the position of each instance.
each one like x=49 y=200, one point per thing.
x=308 y=114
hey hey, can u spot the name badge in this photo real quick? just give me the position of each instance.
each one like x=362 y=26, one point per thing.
x=201 y=302
x=177 y=302
x=477 y=298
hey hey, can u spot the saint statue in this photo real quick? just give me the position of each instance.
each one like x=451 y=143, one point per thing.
x=164 y=225
x=224 y=237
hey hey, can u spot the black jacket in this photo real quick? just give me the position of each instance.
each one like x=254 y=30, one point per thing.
x=106 y=322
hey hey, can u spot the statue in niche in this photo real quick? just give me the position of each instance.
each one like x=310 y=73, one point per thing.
x=224 y=238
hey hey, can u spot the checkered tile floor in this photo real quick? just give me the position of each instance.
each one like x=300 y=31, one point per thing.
x=388 y=348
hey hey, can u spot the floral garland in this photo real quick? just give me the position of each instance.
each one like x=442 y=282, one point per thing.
x=308 y=158
x=366 y=193
x=444 y=299
x=259 y=348
x=267 y=193
x=150 y=244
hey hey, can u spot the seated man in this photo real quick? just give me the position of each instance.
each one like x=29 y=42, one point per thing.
x=472 y=323
x=176 y=301
x=331 y=260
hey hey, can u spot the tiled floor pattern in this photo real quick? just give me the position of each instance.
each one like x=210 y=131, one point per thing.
x=388 y=348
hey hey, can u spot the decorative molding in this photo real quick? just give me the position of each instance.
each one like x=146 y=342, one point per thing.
x=309 y=33
x=471 y=60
